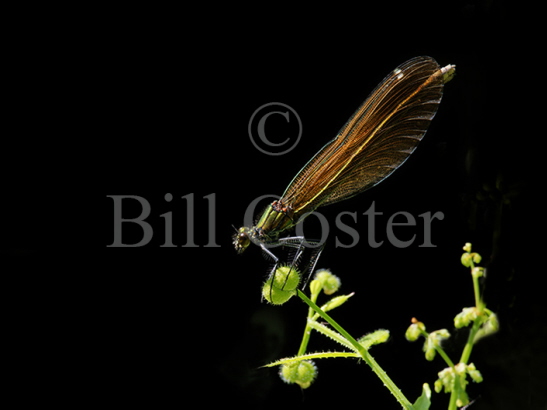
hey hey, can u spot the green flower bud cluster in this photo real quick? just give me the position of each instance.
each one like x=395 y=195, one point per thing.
x=325 y=280
x=465 y=317
x=302 y=373
x=454 y=379
x=470 y=258
x=468 y=315
x=300 y=369
x=433 y=340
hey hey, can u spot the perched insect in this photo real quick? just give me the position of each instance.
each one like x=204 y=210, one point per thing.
x=375 y=141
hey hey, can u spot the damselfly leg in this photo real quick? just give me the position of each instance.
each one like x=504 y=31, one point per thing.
x=302 y=255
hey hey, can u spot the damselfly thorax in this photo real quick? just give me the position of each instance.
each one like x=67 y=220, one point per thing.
x=277 y=217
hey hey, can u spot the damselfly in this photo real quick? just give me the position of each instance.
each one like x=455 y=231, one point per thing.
x=375 y=141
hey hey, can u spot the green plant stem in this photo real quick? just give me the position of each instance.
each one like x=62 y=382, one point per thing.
x=476 y=288
x=307 y=329
x=328 y=332
x=453 y=399
x=470 y=339
x=305 y=339
x=466 y=354
x=445 y=357
x=403 y=401
x=439 y=350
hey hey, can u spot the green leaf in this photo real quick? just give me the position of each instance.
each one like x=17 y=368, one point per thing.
x=374 y=338
x=310 y=356
x=423 y=401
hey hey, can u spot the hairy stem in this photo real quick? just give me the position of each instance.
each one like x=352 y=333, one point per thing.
x=362 y=352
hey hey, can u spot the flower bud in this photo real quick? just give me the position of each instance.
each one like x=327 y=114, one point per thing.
x=466 y=316
x=478 y=271
x=331 y=283
x=489 y=327
x=460 y=368
x=282 y=286
x=476 y=257
x=475 y=375
x=413 y=332
x=429 y=349
x=438 y=385
x=441 y=334
x=315 y=287
x=492 y=323
x=433 y=340
x=466 y=260
x=446 y=379
x=302 y=373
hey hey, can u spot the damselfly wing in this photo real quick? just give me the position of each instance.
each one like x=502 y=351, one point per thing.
x=376 y=140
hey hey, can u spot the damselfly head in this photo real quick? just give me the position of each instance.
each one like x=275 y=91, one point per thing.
x=242 y=239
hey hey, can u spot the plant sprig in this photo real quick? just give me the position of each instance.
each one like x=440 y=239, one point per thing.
x=300 y=369
x=484 y=322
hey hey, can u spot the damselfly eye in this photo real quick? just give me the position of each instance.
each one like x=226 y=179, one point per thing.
x=241 y=240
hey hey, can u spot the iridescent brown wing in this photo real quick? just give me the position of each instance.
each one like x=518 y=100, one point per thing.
x=376 y=140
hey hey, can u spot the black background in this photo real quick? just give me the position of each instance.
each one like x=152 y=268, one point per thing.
x=170 y=98
x=179 y=100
